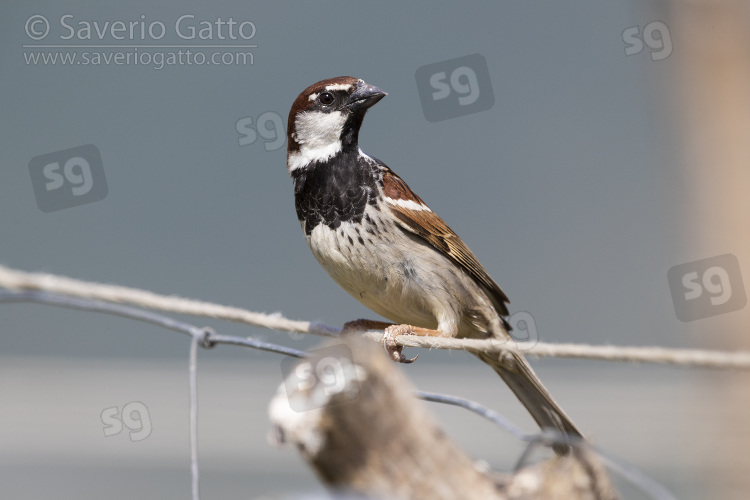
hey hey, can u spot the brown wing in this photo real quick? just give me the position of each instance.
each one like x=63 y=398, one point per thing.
x=416 y=217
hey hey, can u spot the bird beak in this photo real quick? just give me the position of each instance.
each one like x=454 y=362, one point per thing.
x=365 y=96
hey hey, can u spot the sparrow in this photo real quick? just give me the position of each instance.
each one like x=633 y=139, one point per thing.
x=382 y=244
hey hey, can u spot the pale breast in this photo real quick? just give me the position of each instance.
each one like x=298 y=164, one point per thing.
x=374 y=261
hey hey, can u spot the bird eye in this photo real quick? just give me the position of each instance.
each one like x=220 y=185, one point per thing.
x=326 y=98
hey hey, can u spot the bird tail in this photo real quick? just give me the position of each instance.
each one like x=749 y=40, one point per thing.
x=517 y=373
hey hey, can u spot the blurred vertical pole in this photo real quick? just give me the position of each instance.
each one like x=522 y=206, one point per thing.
x=712 y=95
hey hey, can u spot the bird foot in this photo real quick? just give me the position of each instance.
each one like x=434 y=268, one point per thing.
x=389 y=342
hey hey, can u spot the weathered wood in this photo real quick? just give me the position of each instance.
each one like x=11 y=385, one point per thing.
x=579 y=476
x=366 y=433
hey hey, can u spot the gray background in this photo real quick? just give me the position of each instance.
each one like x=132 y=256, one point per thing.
x=566 y=190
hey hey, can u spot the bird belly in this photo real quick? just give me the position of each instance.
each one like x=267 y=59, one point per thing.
x=375 y=265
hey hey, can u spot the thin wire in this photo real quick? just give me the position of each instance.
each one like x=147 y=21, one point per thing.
x=635 y=476
x=477 y=408
x=194 y=342
x=54 y=299
x=255 y=344
x=208 y=338
x=548 y=437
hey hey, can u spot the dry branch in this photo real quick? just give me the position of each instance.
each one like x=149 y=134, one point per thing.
x=373 y=437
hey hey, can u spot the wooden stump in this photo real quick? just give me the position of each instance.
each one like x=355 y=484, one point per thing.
x=354 y=418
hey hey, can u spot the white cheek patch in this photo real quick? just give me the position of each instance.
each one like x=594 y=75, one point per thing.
x=408 y=204
x=339 y=86
x=316 y=129
x=319 y=137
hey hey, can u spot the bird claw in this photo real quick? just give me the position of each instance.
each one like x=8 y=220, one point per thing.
x=394 y=350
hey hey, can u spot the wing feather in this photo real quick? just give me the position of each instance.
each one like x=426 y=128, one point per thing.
x=418 y=219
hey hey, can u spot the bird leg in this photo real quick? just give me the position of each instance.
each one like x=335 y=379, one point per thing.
x=362 y=325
